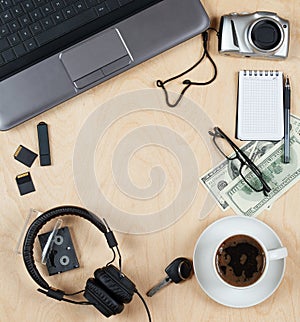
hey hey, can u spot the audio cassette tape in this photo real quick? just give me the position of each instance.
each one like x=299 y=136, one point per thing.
x=61 y=256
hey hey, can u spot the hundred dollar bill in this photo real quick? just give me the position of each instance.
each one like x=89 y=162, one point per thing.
x=279 y=176
x=218 y=178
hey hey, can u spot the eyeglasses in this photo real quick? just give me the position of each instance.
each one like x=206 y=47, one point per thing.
x=254 y=178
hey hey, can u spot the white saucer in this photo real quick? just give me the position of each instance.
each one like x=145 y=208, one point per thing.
x=203 y=262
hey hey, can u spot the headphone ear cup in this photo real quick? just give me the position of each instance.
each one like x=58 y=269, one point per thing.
x=101 y=300
x=118 y=285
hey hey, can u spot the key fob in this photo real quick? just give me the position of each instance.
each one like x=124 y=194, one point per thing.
x=179 y=270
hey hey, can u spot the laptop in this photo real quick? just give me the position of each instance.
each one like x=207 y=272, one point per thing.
x=53 y=50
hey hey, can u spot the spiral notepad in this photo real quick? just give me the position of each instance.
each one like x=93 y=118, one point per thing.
x=260 y=106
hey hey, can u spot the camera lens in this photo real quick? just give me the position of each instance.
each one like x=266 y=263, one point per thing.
x=266 y=34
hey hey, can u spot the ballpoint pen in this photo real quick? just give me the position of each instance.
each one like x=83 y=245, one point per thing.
x=287 y=99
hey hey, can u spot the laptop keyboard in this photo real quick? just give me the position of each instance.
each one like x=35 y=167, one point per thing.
x=32 y=30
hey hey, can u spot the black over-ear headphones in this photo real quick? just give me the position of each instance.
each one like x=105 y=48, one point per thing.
x=108 y=290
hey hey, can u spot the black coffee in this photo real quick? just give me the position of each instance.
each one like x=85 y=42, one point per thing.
x=240 y=260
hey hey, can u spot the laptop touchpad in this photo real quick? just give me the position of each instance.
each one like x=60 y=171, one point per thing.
x=95 y=58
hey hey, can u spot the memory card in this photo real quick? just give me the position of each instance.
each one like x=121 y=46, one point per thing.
x=25 y=155
x=25 y=183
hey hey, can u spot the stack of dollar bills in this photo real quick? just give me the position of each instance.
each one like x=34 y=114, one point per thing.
x=230 y=190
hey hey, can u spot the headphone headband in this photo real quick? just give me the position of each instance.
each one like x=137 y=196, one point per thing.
x=37 y=225
x=108 y=290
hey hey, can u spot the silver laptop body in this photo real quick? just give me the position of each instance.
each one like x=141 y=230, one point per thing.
x=98 y=58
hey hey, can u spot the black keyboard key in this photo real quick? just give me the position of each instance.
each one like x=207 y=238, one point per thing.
x=6 y=4
x=35 y=28
x=13 y=39
x=14 y=26
x=57 y=4
x=69 y=2
x=47 y=23
x=4 y=31
x=3 y=44
x=19 y=50
x=124 y=2
x=101 y=9
x=6 y=16
x=91 y=3
x=17 y=10
x=1 y=60
x=25 y=21
x=65 y=27
x=69 y=12
x=39 y=3
x=25 y=34
x=27 y=5
x=57 y=17
x=30 y=44
x=47 y=9
x=36 y=14
x=8 y=55
x=79 y=6
x=112 y=4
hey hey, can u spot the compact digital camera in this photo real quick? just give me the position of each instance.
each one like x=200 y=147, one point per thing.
x=259 y=34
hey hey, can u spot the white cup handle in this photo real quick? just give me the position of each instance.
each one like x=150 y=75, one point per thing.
x=278 y=253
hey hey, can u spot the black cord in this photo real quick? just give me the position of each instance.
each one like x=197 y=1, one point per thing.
x=145 y=304
x=59 y=295
x=115 y=244
x=214 y=29
x=114 y=257
x=187 y=82
x=74 y=302
x=206 y=53
x=72 y=294
x=120 y=259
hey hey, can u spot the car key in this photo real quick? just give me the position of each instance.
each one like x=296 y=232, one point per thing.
x=179 y=270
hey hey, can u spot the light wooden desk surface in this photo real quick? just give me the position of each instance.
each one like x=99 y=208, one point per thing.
x=144 y=256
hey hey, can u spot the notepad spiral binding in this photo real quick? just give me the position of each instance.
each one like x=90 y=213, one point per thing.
x=261 y=73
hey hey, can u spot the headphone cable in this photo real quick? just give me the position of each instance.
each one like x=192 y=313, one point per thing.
x=145 y=304
x=112 y=242
x=59 y=296
x=72 y=294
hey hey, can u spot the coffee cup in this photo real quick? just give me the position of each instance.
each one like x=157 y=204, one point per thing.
x=242 y=260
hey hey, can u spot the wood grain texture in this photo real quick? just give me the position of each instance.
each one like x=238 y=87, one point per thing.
x=145 y=256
